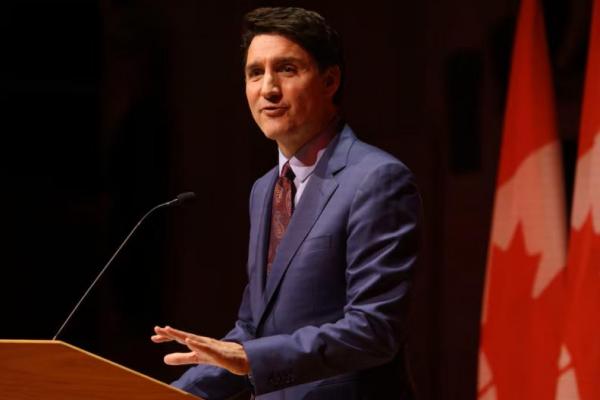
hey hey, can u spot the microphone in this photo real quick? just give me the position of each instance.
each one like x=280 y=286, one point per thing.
x=175 y=202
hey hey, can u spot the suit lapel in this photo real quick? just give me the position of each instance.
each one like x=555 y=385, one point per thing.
x=313 y=201
x=265 y=199
x=317 y=193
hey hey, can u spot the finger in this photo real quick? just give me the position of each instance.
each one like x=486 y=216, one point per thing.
x=181 y=335
x=160 y=335
x=190 y=358
x=160 y=330
x=181 y=358
x=168 y=333
x=160 y=339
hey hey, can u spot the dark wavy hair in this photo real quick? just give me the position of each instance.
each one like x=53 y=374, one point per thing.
x=306 y=28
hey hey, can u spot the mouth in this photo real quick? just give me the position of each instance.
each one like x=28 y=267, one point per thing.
x=274 y=111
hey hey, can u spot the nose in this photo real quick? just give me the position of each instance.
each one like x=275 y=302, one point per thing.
x=270 y=89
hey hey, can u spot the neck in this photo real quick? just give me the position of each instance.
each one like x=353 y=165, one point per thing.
x=307 y=152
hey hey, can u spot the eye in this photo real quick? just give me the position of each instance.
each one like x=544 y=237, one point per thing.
x=254 y=73
x=288 y=69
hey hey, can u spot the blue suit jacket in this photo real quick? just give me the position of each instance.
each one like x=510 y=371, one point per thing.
x=328 y=322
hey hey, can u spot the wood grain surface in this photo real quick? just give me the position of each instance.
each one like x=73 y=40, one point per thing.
x=54 y=370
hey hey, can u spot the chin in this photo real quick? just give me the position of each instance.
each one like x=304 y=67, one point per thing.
x=273 y=131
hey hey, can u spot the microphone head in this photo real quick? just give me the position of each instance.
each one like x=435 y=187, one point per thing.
x=181 y=197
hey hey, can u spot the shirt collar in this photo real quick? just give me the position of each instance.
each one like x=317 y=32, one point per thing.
x=319 y=143
x=301 y=170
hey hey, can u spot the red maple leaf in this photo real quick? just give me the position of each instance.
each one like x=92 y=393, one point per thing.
x=522 y=335
x=583 y=323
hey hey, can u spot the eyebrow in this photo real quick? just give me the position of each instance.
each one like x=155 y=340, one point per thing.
x=279 y=60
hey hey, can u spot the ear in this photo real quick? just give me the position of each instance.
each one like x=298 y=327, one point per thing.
x=331 y=79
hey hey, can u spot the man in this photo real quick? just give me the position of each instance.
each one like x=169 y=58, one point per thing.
x=333 y=239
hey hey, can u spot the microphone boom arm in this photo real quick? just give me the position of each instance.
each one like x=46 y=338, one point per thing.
x=180 y=198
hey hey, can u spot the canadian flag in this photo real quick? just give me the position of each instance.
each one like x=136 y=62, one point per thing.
x=523 y=303
x=580 y=360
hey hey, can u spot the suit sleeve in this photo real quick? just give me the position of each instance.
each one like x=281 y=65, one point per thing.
x=381 y=251
x=211 y=382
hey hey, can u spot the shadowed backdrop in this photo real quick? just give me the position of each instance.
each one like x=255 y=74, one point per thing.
x=111 y=107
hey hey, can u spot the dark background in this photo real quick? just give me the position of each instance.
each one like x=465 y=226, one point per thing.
x=110 y=107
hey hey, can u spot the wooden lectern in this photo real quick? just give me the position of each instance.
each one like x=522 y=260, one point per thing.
x=54 y=370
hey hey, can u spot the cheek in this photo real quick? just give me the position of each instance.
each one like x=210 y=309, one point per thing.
x=300 y=101
x=308 y=95
x=251 y=96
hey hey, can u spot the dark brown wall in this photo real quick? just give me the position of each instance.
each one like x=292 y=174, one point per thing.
x=114 y=106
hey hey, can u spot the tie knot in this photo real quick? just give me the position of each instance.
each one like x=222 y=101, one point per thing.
x=287 y=172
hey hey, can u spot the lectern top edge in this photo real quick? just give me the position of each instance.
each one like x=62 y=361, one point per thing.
x=60 y=343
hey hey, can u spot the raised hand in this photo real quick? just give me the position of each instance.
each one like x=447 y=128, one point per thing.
x=204 y=350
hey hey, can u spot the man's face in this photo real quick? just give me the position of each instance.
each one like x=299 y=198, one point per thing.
x=290 y=99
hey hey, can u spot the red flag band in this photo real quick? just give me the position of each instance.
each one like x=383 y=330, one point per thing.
x=580 y=360
x=521 y=327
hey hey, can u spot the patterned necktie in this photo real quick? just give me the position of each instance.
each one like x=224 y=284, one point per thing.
x=282 y=208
